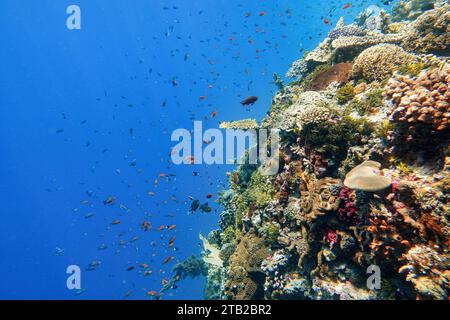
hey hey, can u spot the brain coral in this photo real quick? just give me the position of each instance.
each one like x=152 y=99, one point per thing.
x=380 y=61
x=430 y=33
x=424 y=100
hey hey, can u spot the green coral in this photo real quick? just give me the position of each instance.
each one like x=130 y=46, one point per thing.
x=384 y=128
x=345 y=93
x=271 y=234
x=412 y=69
x=228 y=235
x=372 y=101
x=257 y=195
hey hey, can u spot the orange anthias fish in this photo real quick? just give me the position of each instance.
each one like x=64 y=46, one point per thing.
x=262 y=13
x=326 y=21
x=115 y=222
x=171 y=227
x=346 y=6
x=167 y=260
x=152 y=293
x=209 y=196
x=213 y=114
x=161 y=227
x=202 y=97
x=164 y=281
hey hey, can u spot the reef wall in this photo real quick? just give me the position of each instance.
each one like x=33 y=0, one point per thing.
x=364 y=171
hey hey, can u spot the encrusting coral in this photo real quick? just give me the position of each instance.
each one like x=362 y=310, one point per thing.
x=364 y=171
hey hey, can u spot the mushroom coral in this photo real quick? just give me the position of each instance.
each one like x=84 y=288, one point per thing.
x=366 y=177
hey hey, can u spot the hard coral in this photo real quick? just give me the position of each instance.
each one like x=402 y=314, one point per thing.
x=366 y=177
x=246 y=278
x=379 y=62
x=430 y=33
x=421 y=105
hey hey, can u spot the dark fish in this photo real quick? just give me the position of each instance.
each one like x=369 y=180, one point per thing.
x=167 y=260
x=205 y=208
x=249 y=101
x=109 y=200
x=194 y=206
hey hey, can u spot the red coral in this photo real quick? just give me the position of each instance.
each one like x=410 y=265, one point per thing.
x=331 y=237
x=347 y=209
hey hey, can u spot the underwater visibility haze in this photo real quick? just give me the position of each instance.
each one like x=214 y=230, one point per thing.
x=97 y=96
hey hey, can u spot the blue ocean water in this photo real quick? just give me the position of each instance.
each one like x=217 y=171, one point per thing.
x=87 y=114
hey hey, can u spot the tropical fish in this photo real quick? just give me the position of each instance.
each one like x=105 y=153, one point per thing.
x=115 y=222
x=194 y=206
x=249 y=100
x=168 y=259
x=110 y=200
x=205 y=208
x=171 y=227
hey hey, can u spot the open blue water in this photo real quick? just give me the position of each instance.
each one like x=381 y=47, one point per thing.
x=86 y=114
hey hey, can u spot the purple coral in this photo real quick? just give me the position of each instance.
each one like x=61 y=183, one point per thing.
x=347 y=210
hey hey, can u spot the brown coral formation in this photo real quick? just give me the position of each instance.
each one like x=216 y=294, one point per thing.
x=316 y=199
x=430 y=33
x=338 y=73
x=245 y=269
x=427 y=269
x=421 y=106
x=379 y=62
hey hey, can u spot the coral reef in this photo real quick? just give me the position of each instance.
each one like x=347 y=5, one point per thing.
x=364 y=174
x=430 y=33
x=410 y=10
